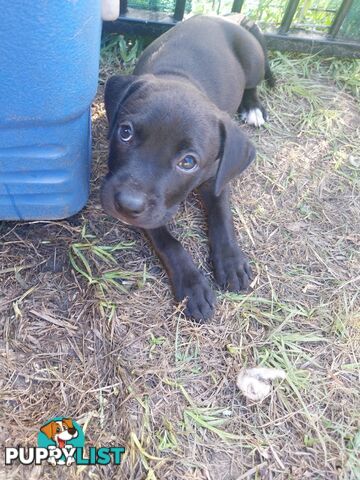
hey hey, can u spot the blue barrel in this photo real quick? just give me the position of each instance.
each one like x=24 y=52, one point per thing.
x=49 y=58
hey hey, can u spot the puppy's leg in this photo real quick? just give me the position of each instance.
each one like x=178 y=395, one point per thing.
x=231 y=267
x=251 y=110
x=186 y=279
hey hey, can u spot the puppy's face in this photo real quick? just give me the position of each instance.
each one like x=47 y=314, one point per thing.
x=166 y=139
x=60 y=430
x=161 y=148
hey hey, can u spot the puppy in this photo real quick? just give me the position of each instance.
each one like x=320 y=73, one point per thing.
x=60 y=432
x=171 y=131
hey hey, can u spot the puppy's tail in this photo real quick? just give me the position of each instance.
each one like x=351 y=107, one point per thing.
x=255 y=30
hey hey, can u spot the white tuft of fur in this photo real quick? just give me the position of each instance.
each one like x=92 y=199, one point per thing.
x=254 y=382
x=253 y=117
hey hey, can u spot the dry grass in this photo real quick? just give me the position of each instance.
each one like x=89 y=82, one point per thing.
x=90 y=329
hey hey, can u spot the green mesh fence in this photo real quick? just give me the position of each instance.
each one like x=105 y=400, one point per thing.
x=167 y=6
x=312 y=16
x=350 y=29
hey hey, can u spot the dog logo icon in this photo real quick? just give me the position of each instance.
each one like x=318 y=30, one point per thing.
x=61 y=441
x=61 y=435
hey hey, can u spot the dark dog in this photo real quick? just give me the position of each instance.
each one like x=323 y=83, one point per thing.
x=171 y=132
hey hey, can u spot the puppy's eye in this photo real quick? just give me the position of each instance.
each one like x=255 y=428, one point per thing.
x=126 y=132
x=58 y=430
x=187 y=163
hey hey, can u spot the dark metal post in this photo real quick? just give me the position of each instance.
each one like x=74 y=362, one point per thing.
x=339 y=18
x=123 y=7
x=179 y=10
x=288 y=16
x=237 y=6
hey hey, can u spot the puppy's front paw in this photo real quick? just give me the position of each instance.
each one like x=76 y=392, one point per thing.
x=232 y=269
x=200 y=298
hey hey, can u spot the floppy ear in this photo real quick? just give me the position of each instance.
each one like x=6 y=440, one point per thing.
x=48 y=429
x=117 y=89
x=237 y=152
x=68 y=422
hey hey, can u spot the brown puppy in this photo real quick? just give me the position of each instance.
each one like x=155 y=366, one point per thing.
x=60 y=431
x=171 y=131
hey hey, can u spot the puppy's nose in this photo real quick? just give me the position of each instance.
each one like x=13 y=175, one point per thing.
x=130 y=202
x=72 y=431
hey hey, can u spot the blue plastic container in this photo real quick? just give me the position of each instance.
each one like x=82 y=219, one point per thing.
x=49 y=57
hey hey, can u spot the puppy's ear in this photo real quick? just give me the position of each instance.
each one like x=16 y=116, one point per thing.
x=68 y=422
x=236 y=154
x=48 y=429
x=117 y=89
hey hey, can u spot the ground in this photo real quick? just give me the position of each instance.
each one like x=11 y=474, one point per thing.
x=91 y=331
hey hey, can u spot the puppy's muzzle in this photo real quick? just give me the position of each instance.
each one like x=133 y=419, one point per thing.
x=130 y=202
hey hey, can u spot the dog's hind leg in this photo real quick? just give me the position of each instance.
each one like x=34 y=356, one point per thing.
x=251 y=110
x=253 y=28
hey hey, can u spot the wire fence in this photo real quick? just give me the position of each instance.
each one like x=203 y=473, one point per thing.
x=327 y=26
